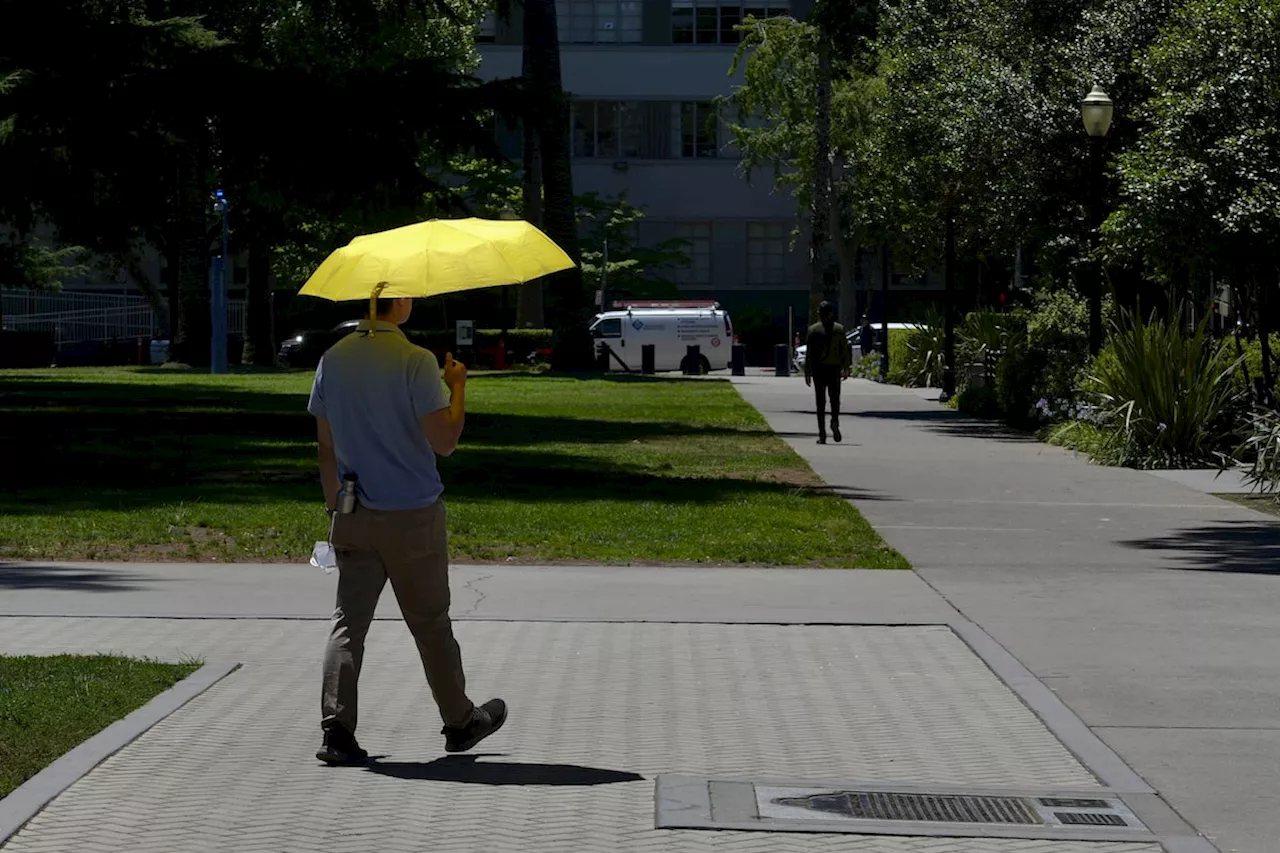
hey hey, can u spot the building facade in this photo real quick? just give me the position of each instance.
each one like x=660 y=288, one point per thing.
x=643 y=76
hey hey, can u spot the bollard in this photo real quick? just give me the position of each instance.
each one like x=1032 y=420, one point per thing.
x=782 y=360
x=648 y=359
x=739 y=360
x=693 y=360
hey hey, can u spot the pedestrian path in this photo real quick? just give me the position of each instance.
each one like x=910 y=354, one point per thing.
x=598 y=710
x=1151 y=608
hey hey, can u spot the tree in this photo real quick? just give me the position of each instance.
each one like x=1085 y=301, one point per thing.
x=94 y=100
x=36 y=266
x=147 y=116
x=569 y=305
x=287 y=173
x=1200 y=190
x=492 y=189
x=789 y=68
x=611 y=261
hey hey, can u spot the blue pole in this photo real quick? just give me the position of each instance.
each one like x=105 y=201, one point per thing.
x=218 y=298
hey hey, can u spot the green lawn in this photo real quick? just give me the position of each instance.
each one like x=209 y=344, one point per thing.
x=50 y=704
x=155 y=464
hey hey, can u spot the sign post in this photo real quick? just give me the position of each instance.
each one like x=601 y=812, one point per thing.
x=466 y=340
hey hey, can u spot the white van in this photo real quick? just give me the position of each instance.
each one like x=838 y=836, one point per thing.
x=671 y=330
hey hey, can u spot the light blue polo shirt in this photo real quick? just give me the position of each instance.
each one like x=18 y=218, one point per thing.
x=372 y=390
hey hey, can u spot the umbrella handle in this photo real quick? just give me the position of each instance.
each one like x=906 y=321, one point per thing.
x=373 y=307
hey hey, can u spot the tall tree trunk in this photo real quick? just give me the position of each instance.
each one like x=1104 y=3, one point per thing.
x=194 y=333
x=845 y=241
x=569 y=303
x=529 y=313
x=949 y=317
x=820 y=215
x=1264 y=334
x=257 y=309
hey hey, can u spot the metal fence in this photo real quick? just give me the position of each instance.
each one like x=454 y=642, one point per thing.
x=92 y=317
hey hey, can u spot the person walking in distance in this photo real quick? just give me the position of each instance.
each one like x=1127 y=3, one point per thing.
x=866 y=337
x=827 y=363
x=384 y=410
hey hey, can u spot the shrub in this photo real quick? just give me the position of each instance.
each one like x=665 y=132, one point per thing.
x=1251 y=368
x=1262 y=447
x=1017 y=377
x=1039 y=377
x=519 y=343
x=1165 y=398
x=980 y=402
x=919 y=362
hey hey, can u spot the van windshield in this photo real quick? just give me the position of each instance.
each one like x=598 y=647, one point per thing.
x=610 y=328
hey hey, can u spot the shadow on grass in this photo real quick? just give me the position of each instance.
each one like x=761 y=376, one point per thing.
x=28 y=576
x=466 y=769
x=1244 y=547
x=120 y=446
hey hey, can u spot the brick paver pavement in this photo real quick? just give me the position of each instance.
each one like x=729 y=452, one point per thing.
x=597 y=711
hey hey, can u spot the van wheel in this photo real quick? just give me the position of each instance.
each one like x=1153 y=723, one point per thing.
x=705 y=365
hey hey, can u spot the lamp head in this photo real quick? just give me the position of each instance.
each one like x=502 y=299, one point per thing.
x=1096 y=110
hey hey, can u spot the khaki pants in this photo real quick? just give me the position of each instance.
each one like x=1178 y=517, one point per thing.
x=411 y=549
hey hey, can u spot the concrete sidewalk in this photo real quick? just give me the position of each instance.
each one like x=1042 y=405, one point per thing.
x=1151 y=608
x=614 y=676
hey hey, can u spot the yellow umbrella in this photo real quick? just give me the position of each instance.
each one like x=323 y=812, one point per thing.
x=436 y=257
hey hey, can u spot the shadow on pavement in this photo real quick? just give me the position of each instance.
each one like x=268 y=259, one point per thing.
x=33 y=576
x=944 y=422
x=1246 y=547
x=466 y=769
x=853 y=494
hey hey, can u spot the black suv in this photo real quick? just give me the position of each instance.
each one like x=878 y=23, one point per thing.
x=305 y=349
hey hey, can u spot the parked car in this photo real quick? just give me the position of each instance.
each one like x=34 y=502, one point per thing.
x=305 y=348
x=852 y=337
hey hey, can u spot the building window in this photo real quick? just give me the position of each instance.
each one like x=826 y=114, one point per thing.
x=595 y=129
x=487 y=29
x=698 y=129
x=697 y=245
x=645 y=130
x=713 y=21
x=600 y=21
x=766 y=253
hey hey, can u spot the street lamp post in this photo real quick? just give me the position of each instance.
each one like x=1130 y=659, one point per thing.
x=949 y=309
x=1096 y=110
x=218 y=295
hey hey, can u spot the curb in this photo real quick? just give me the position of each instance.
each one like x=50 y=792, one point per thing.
x=37 y=792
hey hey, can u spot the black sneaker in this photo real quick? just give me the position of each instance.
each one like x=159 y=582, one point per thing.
x=340 y=747
x=835 y=433
x=822 y=439
x=485 y=720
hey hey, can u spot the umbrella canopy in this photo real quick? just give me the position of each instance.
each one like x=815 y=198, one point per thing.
x=436 y=257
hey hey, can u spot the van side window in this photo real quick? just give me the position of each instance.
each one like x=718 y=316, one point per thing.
x=611 y=328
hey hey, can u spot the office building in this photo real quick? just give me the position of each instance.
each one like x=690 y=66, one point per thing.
x=643 y=76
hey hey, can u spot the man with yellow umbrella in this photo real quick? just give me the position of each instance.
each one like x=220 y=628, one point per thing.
x=384 y=410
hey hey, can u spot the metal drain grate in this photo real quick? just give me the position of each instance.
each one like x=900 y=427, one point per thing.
x=1090 y=819
x=1061 y=803
x=877 y=808
x=936 y=808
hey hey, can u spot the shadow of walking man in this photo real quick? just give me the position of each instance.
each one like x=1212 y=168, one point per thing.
x=468 y=770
